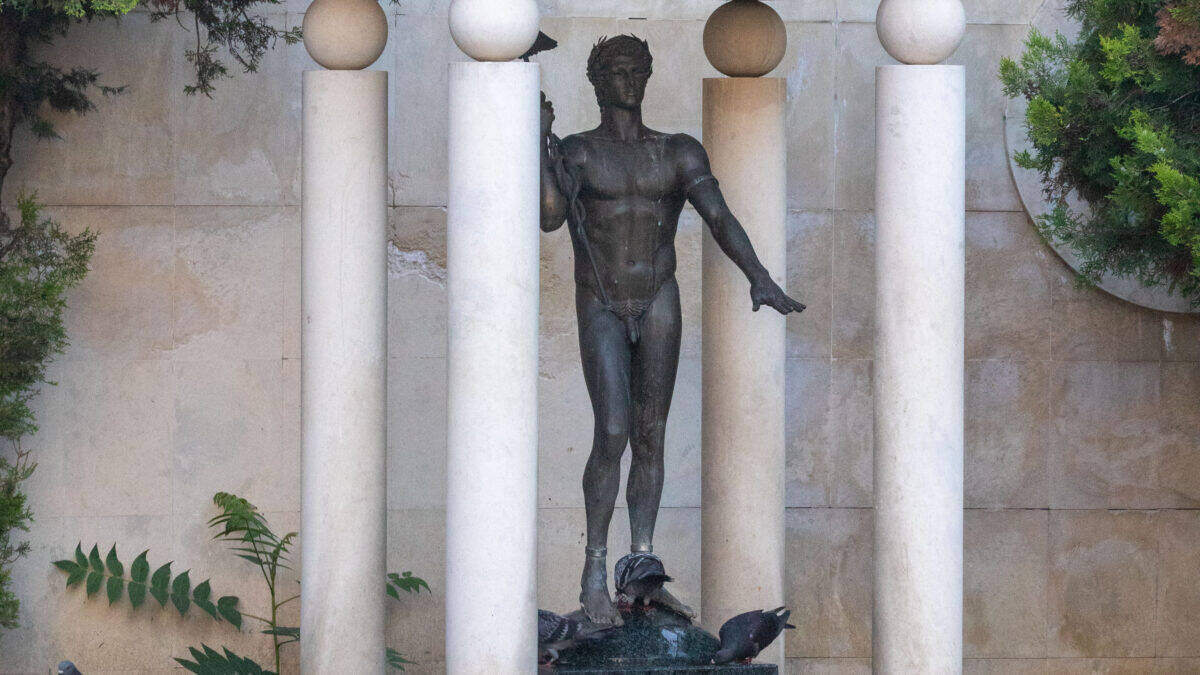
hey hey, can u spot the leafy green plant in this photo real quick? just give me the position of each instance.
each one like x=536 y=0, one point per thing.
x=39 y=263
x=405 y=583
x=1115 y=117
x=396 y=660
x=207 y=661
x=239 y=524
x=109 y=573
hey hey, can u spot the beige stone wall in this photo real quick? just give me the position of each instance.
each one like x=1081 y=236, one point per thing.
x=1083 y=432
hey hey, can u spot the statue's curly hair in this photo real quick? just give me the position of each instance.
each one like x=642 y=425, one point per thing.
x=608 y=49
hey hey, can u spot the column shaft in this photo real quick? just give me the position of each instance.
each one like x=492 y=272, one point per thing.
x=742 y=505
x=919 y=351
x=492 y=252
x=344 y=372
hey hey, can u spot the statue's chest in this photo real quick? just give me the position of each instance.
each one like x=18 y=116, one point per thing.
x=615 y=170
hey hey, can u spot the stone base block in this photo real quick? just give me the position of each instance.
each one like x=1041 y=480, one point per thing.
x=652 y=640
x=727 y=669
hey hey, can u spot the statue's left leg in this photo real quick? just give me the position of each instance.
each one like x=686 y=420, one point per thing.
x=652 y=382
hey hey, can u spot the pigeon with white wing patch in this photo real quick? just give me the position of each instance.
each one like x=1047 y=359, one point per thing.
x=745 y=635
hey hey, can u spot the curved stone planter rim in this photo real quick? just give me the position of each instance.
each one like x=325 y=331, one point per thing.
x=1029 y=187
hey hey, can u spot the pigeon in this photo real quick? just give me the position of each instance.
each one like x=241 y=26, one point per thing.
x=543 y=43
x=557 y=632
x=745 y=635
x=67 y=668
x=638 y=575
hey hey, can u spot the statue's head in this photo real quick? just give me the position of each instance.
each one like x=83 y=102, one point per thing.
x=619 y=68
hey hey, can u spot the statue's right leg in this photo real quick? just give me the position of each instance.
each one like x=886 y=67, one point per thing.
x=604 y=350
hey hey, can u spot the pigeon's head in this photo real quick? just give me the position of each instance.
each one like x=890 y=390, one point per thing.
x=639 y=567
x=619 y=69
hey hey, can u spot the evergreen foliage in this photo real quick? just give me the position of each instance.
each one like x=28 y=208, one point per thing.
x=15 y=517
x=39 y=263
x=1115 y=117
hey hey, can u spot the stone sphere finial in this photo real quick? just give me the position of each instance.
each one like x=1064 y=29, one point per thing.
x=345 y=34
x=920 y=32
x=745 y=38
x=494 y=30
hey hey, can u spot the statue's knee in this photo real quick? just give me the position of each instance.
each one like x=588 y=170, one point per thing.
x=614 y=436
x=648 y=438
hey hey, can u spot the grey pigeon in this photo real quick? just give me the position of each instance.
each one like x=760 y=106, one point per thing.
x=639 y=575
x=557 y=632
x=745 y=635
x=543 y=43
x=67 y=668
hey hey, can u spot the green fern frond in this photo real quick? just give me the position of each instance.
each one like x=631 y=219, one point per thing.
x=396 y=660
x=208 y=661
x=405 y=582
x=109 y=572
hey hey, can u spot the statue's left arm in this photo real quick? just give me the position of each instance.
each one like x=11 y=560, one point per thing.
x=704 y=193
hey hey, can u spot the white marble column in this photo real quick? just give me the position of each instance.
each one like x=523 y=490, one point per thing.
x=743 y=453
x=919 y=347
x=344 y=342
x=492 y=256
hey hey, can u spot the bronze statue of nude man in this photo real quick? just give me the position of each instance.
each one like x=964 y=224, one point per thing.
x=620 y=188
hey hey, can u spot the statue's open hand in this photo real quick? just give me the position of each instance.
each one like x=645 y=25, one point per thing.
x=547 y=115
x=767 y=292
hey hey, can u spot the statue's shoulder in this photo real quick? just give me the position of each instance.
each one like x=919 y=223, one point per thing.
x=684 y=145
x=688 y=154
x=575 y=147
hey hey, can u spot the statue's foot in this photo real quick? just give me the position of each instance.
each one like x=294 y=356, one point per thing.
x=599 y=608
x=664 y=598
x=597 y=604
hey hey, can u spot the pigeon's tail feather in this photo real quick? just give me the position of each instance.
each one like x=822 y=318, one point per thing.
x=553 y=628
x=777 y=610
x=788 y=625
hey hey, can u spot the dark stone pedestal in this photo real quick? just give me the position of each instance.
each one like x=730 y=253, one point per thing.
x=652 y=641
x=727 y=669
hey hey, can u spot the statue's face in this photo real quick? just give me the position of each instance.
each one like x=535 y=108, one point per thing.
x=624 y=83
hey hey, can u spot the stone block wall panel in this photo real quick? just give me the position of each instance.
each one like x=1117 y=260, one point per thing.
x=1009 y=281
x=829 y=441
x=809 y=277
x=243 y=143
x=1104 y=567
x=1007 y=434
x=829 y=582
x=123 y=152
x=1005 y=579
x=852 y=278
